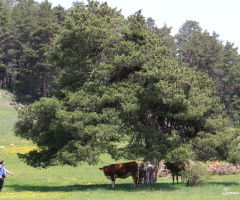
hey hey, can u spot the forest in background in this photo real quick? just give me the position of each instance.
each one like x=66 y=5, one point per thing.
x=107 y=72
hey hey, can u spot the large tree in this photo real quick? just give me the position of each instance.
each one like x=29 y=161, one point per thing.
x=121 y=93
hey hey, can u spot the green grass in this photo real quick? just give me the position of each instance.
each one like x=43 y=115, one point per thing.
x=88 y=182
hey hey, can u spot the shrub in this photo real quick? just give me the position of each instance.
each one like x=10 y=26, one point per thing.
x=197 y=175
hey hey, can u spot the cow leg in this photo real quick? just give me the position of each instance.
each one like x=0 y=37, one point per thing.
x=113 y=181
x=134 y=180
x=177 y=177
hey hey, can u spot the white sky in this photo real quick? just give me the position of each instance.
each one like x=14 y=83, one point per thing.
x=221 y=16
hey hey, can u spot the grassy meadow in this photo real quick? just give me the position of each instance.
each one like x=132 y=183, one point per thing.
x=88 y=182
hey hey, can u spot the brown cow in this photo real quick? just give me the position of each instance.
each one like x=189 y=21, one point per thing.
x=176 y=170
x=122 y=170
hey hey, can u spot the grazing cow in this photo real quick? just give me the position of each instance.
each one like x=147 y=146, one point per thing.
x=122 y=170
x=176 y=170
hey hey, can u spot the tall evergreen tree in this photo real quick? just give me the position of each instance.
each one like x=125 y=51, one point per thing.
x=9 y=47
x=164 y=34
x=230 y=82
x=24 y=15
x=203 y=53
x=4 y=13
x=41 y=38
x=206 y=53
x=188 y=29
x=36 y=25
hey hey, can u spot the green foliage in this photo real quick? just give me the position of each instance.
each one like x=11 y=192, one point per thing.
x=230 y=78
x=222 y=146
x=205 y=53
x=180 y=155
x=164 y=34
x=197 y=175
x=188 y=29
x=26 y=33
x=9 y=45
x=200 y=51
x=37 y=77
x=39 y=122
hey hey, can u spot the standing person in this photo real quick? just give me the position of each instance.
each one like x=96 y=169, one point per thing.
x=3 y=174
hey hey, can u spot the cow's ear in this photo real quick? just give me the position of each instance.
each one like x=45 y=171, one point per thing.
x=101 y=168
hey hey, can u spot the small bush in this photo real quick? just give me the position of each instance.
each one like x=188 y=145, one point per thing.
x=197 y=175
x=180 y=155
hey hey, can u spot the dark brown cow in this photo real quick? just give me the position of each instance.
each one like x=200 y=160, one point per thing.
x=122 y=170
x=177 y=170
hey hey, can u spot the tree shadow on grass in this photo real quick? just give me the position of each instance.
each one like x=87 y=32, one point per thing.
x=118 y=187
x=231 y=183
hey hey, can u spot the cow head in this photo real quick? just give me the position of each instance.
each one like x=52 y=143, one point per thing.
x=103 y=168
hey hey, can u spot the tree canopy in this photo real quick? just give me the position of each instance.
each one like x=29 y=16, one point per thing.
x=121 y=92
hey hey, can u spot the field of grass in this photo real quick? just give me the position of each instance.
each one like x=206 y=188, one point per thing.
x=88 y=182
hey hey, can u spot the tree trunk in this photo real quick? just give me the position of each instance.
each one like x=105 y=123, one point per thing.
x=148 y=173
x=44 y=86
x=1 y=79
x=10 y=86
